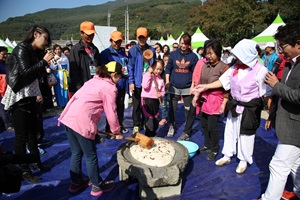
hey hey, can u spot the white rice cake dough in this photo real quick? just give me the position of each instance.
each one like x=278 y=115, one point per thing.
x=160 y=155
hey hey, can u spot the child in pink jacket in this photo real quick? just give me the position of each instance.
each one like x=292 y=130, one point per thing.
x=153 y=90
x=80 y=117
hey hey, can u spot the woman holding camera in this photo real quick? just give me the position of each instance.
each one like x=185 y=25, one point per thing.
x=27 y=63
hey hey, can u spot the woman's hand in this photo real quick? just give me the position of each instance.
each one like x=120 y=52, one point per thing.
x=39 y=99
x=49 y=56
x=268 y=124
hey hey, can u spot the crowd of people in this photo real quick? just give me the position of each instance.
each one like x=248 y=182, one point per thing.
x=211 y=82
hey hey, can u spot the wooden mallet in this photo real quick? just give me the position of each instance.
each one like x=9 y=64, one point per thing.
x=139 y=138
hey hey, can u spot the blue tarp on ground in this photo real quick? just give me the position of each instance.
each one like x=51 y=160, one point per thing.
x=202 y=179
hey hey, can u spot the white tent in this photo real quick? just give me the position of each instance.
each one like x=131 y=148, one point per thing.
x=162 y=41
x=102 y=36
x=15 y=43
x=198 y=39
x=170 y=41
x=179 y=37
x=7 y=41
x=268 y=33
x=3 y=44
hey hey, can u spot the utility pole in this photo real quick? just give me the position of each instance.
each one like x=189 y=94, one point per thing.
x=126 y=25
x=108 y=18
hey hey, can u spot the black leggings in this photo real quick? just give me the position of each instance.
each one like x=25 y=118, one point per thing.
x=24 y=115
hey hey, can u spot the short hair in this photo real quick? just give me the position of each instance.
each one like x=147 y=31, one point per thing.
x=288 y=33
x=55 y=46
x=216 y=47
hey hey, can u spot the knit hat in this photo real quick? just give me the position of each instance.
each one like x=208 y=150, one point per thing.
x=87 y=27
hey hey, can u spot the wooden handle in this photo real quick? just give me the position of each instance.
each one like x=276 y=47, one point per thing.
x=156 y=87
x=125 y=138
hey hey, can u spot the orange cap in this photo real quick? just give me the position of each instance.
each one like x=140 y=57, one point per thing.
x=87 y=27
x=116 y=35
x=142 y=31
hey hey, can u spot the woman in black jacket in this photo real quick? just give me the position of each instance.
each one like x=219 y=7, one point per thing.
x=27 y=63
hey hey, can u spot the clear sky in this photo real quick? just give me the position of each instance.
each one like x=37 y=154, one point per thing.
x=14 y=8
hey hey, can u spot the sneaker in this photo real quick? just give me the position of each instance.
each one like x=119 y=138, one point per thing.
x=184 y=136
x=124 y=130
x=104 y=187
x=30 y=178
x=44 y=142
x=204 y=149
x=163 y=121
x=74 y=188
x=171 y=131
x=211 y=155
x=135 y=129
x=286 y=195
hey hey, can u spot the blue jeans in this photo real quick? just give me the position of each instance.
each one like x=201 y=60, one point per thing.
x=82 y=146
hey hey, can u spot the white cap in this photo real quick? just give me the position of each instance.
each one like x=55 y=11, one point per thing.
x=270 y=44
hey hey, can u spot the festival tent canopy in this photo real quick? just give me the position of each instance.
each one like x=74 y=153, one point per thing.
x=170 y=40
x=198 y=39
x=162 y=41
x=3 y=44
x=179 y=37
x=267 y=35
x=14 y=43
x=7 y=41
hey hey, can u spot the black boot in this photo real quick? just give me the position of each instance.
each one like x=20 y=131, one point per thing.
x=40 y=166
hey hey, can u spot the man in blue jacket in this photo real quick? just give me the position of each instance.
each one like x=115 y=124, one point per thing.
x=136 y=67
x=116 y=53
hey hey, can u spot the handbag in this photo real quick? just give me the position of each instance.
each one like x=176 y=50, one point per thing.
x=51 y=80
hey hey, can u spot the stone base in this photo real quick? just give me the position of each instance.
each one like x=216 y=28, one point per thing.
x=150 y=193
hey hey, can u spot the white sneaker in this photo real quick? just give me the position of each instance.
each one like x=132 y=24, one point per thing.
x=171 y=131
x=222 y=161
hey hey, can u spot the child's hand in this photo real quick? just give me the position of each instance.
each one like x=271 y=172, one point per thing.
x=159 y=94
x=150 y=70
x=118 y=135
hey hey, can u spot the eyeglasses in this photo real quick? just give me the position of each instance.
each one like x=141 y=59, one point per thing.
x=282 y=47
x=175 y=47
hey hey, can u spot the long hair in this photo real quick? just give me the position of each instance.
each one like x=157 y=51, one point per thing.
x=40 y=29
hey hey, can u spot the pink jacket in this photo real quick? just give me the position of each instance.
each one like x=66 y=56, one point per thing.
x=148 y=86
x=85 y=108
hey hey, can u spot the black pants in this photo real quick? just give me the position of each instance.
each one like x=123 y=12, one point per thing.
x=187 y=99
x=40 y=121
x=137 y=115
x=151 y=111
x=190 y=120
x=120 y=109
x=24 y=115
x=210 y=129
